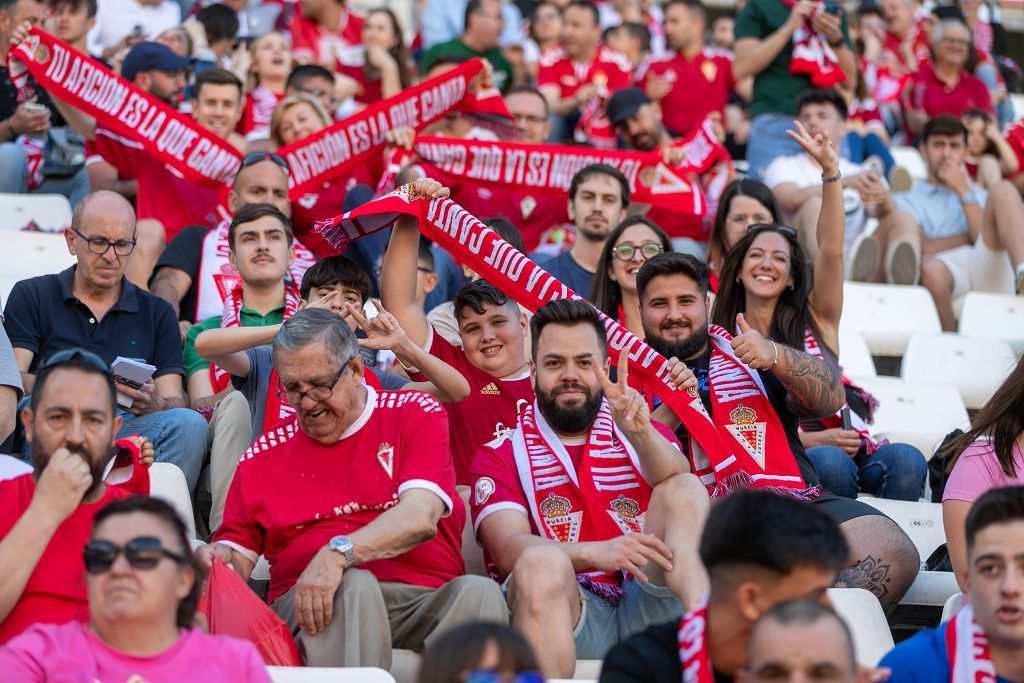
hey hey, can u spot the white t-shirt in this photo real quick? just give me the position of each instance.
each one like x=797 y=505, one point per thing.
x=116 y=19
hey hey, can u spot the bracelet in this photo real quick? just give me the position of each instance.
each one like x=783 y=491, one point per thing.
x=10 y=124
x=831 y=179
x=839 y=43
x=775 y=348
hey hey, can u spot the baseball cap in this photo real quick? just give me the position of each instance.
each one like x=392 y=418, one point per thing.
x=625 y=103
x=150 y=56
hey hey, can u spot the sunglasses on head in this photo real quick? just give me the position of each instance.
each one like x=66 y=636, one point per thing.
x=74 y=354
x=257 y=157
x=772 y=227
x=144 y=552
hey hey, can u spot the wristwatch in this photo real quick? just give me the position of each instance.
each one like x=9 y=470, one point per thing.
x=969 y=197
x=343 y=545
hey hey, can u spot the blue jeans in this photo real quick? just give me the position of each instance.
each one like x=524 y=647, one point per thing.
x=857 y=148
x=180 y=436
x=895 y=471
x=768 y=141
x=14 y=177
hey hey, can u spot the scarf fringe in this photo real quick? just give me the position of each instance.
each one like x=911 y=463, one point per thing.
x=743 y=480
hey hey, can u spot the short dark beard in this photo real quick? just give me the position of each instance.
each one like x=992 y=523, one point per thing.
x=575 y=420
x=95 y=468
x=684 y=349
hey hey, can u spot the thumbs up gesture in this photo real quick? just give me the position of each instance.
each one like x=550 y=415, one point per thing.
x=751 y=347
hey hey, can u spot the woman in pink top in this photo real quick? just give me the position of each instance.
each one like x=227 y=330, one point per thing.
x=143 y=589
x=996 y=461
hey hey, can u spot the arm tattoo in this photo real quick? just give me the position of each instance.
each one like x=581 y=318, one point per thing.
x=870 y=574
x=815 y=387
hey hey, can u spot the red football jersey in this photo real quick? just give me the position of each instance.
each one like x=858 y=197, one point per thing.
x=369 y=90
x=55 y=592
x=334 y=48
x=929 y=94
x=291 y=495
x=700 y=86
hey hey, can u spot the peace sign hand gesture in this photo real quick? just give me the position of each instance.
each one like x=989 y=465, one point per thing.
x=819 y=147
x=629 y=409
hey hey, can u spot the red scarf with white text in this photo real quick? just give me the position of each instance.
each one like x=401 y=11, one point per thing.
x=970 y=659
x=606 y=498
x=480 y=248
x=812 y=55
x=693 y=644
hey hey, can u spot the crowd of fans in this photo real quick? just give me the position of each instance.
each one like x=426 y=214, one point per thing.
x=345 y=416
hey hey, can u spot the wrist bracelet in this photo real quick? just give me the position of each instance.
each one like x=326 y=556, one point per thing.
x=775 y=348
x=831 y=179
x=10 y=124
x=839 y=43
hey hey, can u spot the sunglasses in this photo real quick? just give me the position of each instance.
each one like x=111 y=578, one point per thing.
x=625 y=252
x=144 y=552
x=498 y=677
x=257 y=157
x=772 y=227
x=74 y=354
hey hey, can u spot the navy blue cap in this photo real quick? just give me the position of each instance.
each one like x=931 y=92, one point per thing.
x=625 y=103
x=150 y=56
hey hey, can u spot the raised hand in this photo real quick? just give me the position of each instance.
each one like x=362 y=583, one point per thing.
x=819 y=147
x=382 y=332
x=680 y=376
x=751 y=347
x=402 y=136
x=428 y=188
x=629 y=409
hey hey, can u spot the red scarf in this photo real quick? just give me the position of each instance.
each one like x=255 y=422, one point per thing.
x=605 y=499
x=480 y=248
x=813 y=57
x=693 y=644
x=970 y=659
x=117 y=105
x=231 y=317
x=125 y=471
x=836 y=421
x=260 y=107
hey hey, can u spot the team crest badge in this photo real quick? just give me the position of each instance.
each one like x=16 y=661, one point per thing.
x=561 y=521
x=662 y=180
x=625 y=512
x=41 y=54
x=698 y=404
x=386 y=457
x=483 y=489
x=527 y=206
x=749 y=432
x=709 y=70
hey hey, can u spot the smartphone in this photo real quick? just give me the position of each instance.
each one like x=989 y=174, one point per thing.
x=34 y=106
x=833 y=7
x=845 y=414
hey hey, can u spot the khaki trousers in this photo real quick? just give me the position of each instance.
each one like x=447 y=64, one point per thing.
x=371 y=617
x=230 y=437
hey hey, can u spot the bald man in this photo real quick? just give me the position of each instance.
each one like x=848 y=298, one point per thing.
x=91 y=305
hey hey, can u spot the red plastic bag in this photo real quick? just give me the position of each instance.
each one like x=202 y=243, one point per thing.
x=232 y=609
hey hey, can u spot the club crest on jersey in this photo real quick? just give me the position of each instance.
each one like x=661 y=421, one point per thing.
x=709 y=70
x=698 y=404
x=527 y=206
x=561 y=521
x=748 y=432
x=386 y=457
x=483 y=489
x=625 y=512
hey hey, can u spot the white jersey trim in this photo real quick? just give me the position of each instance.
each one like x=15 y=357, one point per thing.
x=250 y=555
x=498 y=507
x=427 y=485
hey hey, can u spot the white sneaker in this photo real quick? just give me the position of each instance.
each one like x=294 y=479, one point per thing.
x=864 y=258
x=904 y=266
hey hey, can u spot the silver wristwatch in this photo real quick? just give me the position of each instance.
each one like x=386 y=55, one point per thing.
x=343 y=545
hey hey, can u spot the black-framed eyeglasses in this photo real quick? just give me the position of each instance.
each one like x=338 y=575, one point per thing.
x=74 y=354
x=498 y=677
x=530 y=118
x=316 y=394
x=257 y=157
x=424 y=269
x=784 y=230
x=144 y=552
x=100 y=245
x=625 y=252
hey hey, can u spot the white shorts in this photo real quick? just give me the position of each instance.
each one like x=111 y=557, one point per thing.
x=977 y=268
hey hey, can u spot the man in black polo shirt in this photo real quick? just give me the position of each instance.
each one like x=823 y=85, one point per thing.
x=92 y=306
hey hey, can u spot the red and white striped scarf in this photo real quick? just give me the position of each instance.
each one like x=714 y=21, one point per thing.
x=693 y=644
x=970 y=659
x=261 y=106
x=812 y=55
x=606 y=498
x=231 y=317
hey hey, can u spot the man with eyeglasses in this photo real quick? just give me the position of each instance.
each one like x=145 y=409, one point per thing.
x=92 y=305
x=194 y=274
x=46 y=515
x=354 y=505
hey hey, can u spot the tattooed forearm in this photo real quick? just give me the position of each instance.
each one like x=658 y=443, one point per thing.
x=815 y=387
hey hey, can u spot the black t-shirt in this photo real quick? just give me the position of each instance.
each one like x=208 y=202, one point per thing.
x=651 y=656
x=9 y=98
x=776 y=396
x=185 y=252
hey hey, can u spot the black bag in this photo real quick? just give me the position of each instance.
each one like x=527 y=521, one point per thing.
x=64 y=153
x=939 y=465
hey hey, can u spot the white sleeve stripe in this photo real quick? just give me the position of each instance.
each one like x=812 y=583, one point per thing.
x=242 y=550
x=497 y=507
x=428 y=485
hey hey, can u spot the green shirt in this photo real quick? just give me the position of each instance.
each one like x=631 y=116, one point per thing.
x=775 y=89
x=249 y=318
x=456 y=48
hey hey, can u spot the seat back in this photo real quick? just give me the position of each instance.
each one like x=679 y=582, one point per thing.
x=30 y=254
x=51 y=212
x=994 y=316
x=855 y=356
x=922 y=522
x=167 y=482
x=863 y=615
x=951 y=607
x=298 y=674
x=887 y=315
x=975 y=367
x=915 y=413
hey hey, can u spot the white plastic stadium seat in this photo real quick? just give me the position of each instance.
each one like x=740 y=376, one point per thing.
x=918 y=414
x=887 y=315
x=167 y=482
x=864 y=617
x=994 y=316
x=976 y=367
x=921 y=521
x=29 y=254
x=855 y=356
x=951 y=607
x=910 y=159
x=51 y=212
x=296 y=674
x=931 y=588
